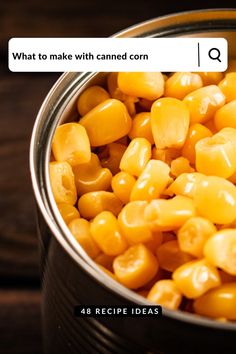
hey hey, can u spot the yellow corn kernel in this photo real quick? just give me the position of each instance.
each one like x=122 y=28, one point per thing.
x=195 y=278
x=169 y=122
x=226 y=116
x=155 y=243
x=91 y=177
x=71 y=143
x=152 y=181
x=218 y=303
x=228 y=86
x=141 y=127
x=170 y=256
x=116 y=151
x=196 y=132
x=62 y=182
x=216 y=156
x=165 y=155
x=203 y=103
x=90 y=98
x=220 y=250
x=170 y=214
x=97 y=122
x=80 y=229
x=179 y=166
x=132 y=223
x=185 y=184
x=210 y=124
x=193 y=235
x=180 y=84
x=113 y=88
x=211 y=78
x=68 y=212
x=136 y=267
x=105 y=261
x=136 y=156
x=215 y=199
x=141 y=84
x=122 y=184
x=106 y=233
x=166 y=294
x=93 y=203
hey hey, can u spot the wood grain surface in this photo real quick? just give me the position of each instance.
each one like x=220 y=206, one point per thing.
x=20 y=98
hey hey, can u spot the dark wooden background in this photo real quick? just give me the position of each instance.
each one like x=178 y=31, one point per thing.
x=20 y=98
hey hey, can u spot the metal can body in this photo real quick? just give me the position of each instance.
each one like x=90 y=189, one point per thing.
x=69 y=278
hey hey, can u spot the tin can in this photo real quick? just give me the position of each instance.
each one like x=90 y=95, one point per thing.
x=69 y=277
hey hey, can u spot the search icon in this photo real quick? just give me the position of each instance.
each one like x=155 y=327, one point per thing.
x=214 y=54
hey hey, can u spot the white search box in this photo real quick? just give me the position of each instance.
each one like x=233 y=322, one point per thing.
x=117 y=54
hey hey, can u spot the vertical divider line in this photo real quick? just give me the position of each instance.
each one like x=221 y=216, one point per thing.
x=198 y=54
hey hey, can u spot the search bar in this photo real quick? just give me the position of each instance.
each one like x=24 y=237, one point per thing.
x=117 y=54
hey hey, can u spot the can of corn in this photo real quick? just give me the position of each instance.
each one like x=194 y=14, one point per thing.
x=69 y=277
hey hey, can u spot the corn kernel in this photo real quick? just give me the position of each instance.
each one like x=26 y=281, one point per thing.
x=91 y=177
x=168 y=215
x=122 y=184
x=130 y=104
x=68 y=212
x=97 y=122
x=170 y=256
x=155 y=243
x=90 y=98
x=226 y=116
x=216 y=156
x=149 y=85
x=169 y=122
x=62 y=182
x=152 y=181
x=218 y=302
x=70 y=143
x=215 y=199
x=113 y=88
x=211 y=78
x=107 y=235
x=180 y=84
x=210 y=124
x=132 y=223
x=179 y=166
x=195 y=278
x=185 y=184
x=203 y=103
x=228 y=86
x=80 y=229
x=141 y=127
x=112 y=162
x=220 y=250
x=193 y=235
x=93 y=203
x=136 y=156
x=165 y=155
x=166 y=294
x=196 y=132
x=136 y=267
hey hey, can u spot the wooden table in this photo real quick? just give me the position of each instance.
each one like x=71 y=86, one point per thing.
x=21 y=96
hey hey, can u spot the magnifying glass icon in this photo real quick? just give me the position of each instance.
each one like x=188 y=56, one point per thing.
x=214 y=54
